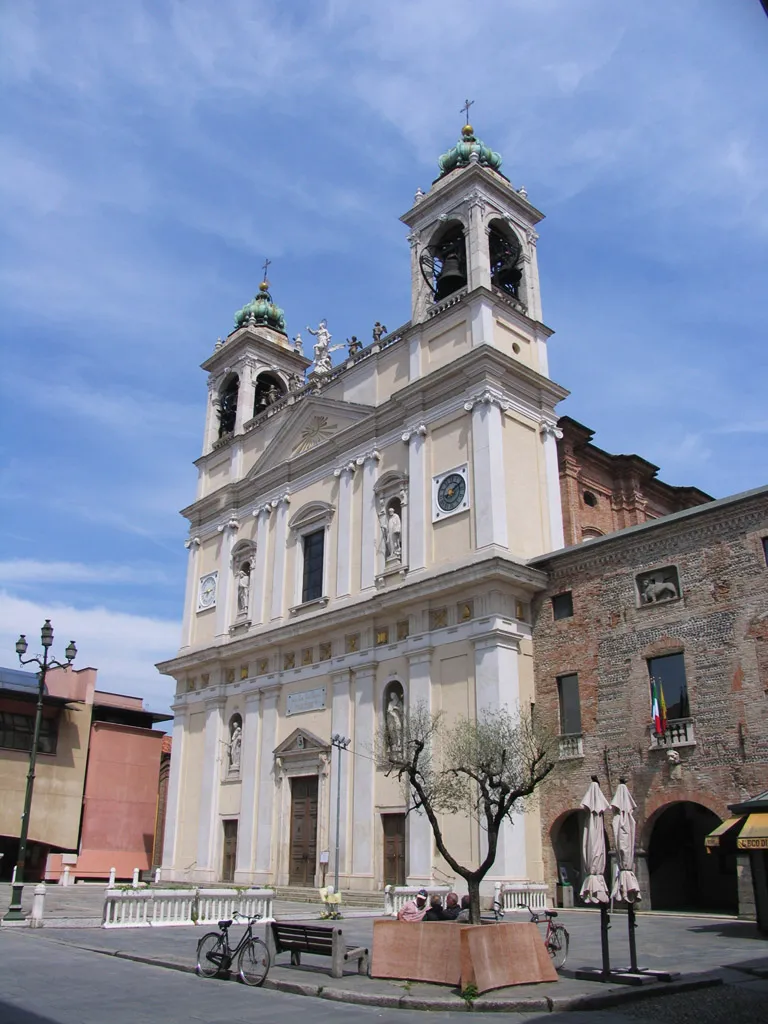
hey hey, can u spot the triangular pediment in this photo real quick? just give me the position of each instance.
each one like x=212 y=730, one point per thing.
x=301 y=741
x=315 y=422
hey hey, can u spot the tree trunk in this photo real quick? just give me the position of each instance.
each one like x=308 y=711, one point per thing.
x=473 y=885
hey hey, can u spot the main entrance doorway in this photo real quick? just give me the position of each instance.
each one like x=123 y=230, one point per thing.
x=303 y=831
x=394 y=848
x=230 y=851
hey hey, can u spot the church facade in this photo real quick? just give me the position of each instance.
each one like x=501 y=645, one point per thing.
x=358 y=545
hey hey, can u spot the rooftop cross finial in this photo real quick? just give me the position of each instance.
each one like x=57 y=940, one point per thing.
x=465 y=109
x=265 y=268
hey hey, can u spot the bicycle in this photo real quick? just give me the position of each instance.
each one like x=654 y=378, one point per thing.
x=215 y=955
x=556 y=938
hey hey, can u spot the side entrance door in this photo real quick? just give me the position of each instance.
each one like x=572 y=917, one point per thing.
x=230 y=851
x=394 y=848
x=303 y=831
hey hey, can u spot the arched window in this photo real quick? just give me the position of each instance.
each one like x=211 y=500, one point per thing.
x=394 y=717
x=506 y=257
x=228 y=405
x=268 y=390
x=444 y=262
x=234 y=751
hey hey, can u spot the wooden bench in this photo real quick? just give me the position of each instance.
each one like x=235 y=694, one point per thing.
x=284 y=937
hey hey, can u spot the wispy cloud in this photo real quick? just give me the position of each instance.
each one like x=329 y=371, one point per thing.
x=28 y=570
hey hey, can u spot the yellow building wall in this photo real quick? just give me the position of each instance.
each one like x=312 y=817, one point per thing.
x=191 y=786
x=516 y=343
x=445 y=342
x=521 y=464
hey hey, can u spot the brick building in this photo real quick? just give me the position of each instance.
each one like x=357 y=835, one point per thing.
x=602 y=493
x=683 y=598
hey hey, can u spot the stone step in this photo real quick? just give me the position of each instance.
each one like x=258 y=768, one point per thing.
x=297 y=894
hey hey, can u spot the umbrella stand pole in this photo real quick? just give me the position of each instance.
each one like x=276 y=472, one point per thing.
x=632 y=926
x=604 y=926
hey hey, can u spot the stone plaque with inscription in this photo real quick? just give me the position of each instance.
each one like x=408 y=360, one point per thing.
x=306 y=700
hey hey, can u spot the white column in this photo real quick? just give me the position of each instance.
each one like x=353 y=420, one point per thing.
x=477 y=244
x=244 y=411
x=420 y=839
x=364 y=775
x=414 y=356
x=226 y=582
x=344 y=531
x=173 y=806
x=418 y=499
x=481 y=318
x=207 y=833
x=550 y=433
x=489 y=496
x=211 y=432
x=497 y=685
x=190 y=593
x=278 y=573
x=341 y=724
x=259 y=585
x=265 y=800
x=249 y=773
x=368 y=528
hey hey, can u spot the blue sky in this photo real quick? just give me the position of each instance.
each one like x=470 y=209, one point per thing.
x=152 y=154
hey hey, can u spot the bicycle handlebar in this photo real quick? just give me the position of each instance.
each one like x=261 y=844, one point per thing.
x=251 y=920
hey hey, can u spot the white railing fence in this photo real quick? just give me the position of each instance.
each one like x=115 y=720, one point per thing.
x=146 y=908
x=396 y=895
x=519 y=895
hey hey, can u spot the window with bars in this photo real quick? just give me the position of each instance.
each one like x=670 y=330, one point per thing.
x=570 y=705
x=314 y=551
x=16 y=732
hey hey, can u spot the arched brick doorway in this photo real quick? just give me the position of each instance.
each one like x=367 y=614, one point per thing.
x=566 y=845
x=683 y=876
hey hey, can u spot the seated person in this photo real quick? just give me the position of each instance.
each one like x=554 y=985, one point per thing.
x=463 y=914
x=452 y=909
x=435 y=912
x=414 y=910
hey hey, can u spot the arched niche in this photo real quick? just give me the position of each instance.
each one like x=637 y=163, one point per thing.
x=443 y=261
x=391 y=492
x=268 y=389
x=393 y=715
x=505 y=253
x=234 y=744
x=227 y=404
x=243 y=558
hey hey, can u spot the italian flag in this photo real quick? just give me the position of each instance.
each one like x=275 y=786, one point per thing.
x=658 y=708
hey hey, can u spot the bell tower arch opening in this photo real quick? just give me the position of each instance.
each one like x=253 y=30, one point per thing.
x=228 y=393
x=444 y=261
x=505 y=252
x=268 y=389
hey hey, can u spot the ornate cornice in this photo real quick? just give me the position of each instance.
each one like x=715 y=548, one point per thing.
x=487 y=397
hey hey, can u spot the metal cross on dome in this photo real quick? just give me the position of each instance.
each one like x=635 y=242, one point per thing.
x=266 y=266
x=465 y=109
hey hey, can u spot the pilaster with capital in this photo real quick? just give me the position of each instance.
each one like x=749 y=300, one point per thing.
x=228 y=533
x=550 y=434
x=341 y=774
x=490 y=497
x=259 y=582
x=369 y=463
x=419 y=829
x=190 y=594
x=344 y=475
x=280 y=506
x=172 y=816
x=265 y=800
x=477 y=242
x=207 y=832
x=363 y=843
x=416 y=556
x=246 y=837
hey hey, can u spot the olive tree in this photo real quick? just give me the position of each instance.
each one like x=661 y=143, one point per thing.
x=483 y=769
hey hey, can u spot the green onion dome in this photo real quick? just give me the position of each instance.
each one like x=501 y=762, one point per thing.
x=461 y=154
x=261 y=310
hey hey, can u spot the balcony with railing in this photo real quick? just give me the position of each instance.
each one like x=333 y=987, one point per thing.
x=679 y=733
x=571 y=746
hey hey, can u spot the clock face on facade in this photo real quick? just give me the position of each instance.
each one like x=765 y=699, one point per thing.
x=207 y=593
x=451 y=491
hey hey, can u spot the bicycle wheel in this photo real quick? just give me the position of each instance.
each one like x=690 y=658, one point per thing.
x=253 y=963
x=557 y=947
x=211 y=953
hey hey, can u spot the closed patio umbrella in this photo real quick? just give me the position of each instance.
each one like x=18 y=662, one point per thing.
x=594 y=889
x=625 y=887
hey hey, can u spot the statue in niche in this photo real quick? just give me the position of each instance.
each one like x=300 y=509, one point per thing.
x=394 y=723
x=391 y=532
x=353 y=345
x=235 y=745
x=658 y=590
x=243 y=589
x=323 y=347
x=296 y=382
x=273 y=394
x=298 y=345
x=379 y=330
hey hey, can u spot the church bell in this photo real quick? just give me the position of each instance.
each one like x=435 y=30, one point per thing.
x=450 y=278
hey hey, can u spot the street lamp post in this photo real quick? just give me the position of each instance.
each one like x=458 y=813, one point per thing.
x=44 y=663
x=341 y=743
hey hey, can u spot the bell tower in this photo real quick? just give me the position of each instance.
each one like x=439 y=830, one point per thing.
x=473 y=238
